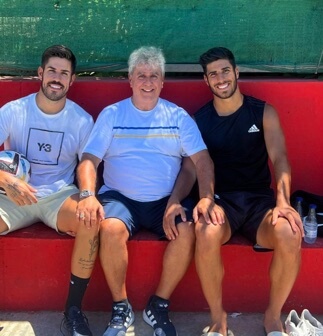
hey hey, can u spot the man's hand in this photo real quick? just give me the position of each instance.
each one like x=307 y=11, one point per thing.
x=291 y=215
x=89 y=211
x=18 y=191
x=172 y=210
x=212 y=213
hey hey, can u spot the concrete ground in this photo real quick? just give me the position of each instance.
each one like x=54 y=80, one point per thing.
x=188 y=324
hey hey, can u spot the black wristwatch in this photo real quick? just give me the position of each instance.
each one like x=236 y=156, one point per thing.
x=86 y=193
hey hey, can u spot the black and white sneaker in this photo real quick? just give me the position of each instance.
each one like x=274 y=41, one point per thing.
x=156 y=315
x=75 y=323
x=122 y=318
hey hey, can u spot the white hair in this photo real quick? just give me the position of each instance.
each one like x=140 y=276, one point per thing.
x=151 y=56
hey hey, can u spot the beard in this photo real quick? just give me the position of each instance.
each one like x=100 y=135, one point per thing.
x=51 y=94
x=226 y=94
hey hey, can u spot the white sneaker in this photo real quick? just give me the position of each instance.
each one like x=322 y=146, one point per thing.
x=295 y=326
x=314 y=326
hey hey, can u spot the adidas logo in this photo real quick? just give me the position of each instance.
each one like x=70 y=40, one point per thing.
x=151 y=317
x=253 y=129
x=128 y=320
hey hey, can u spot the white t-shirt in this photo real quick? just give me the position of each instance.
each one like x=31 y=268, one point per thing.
x=51 y=143
x=143 y=150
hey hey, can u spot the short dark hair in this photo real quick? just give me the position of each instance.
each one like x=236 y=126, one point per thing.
x=215 y=54
x=61 y=52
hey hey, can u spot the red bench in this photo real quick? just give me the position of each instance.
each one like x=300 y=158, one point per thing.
x=35 y=262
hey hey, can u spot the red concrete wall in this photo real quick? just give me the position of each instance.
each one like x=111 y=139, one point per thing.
x=35 y=272
x=35 y=263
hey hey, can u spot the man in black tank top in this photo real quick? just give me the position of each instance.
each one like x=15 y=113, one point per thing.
x=241 y=133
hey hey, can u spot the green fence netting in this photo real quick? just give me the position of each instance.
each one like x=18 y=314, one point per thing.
x=282 y=36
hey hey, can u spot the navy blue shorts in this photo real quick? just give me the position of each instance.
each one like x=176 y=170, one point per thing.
x=245 y=210
x=137 y=215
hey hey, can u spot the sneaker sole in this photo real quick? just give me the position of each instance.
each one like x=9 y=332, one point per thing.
x=146 y=318
x=148 y=321
x=66 y=332
x=130 y=324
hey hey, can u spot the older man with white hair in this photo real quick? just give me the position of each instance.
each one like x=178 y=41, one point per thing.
x=151 y=150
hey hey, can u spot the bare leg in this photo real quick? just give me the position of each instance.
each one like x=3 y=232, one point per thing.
x=284 y=266
x=209 y=266
x=114 y=256
x=86 y=240
x=177 y=258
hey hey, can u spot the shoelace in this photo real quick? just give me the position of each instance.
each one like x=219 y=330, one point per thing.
x=78 y=319
x=163 y=313
x=118 y=317
x=315 y=334
x=308 y=333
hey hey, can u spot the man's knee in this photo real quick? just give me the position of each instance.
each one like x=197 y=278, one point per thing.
x=286 y=238
x=187 y=230
x=211 y=233
x=113 y=228
x=82 y=229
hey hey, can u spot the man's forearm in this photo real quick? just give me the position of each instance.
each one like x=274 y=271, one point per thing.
x=87 y=174
x=184 y=182
x=283 y=182
x=205 y=175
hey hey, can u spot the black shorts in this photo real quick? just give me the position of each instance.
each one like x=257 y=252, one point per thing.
x=137 y=215
x=245 y=210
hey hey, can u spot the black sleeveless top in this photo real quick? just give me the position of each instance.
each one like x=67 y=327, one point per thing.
x=237 y=146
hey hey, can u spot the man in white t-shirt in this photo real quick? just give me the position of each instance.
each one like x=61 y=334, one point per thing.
x=51 y=131
x=150 y=148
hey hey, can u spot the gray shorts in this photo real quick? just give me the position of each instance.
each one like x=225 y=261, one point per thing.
x=45 y=210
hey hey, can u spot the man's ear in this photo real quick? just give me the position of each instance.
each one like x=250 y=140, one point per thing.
x=72 y=79
x=237 y=72
x=130 y=78
x=205 y=80
x=40 y=72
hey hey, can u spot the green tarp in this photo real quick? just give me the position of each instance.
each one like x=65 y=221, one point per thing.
x=284 y=36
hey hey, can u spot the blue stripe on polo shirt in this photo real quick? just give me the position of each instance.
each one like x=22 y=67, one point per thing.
x=142 y=128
